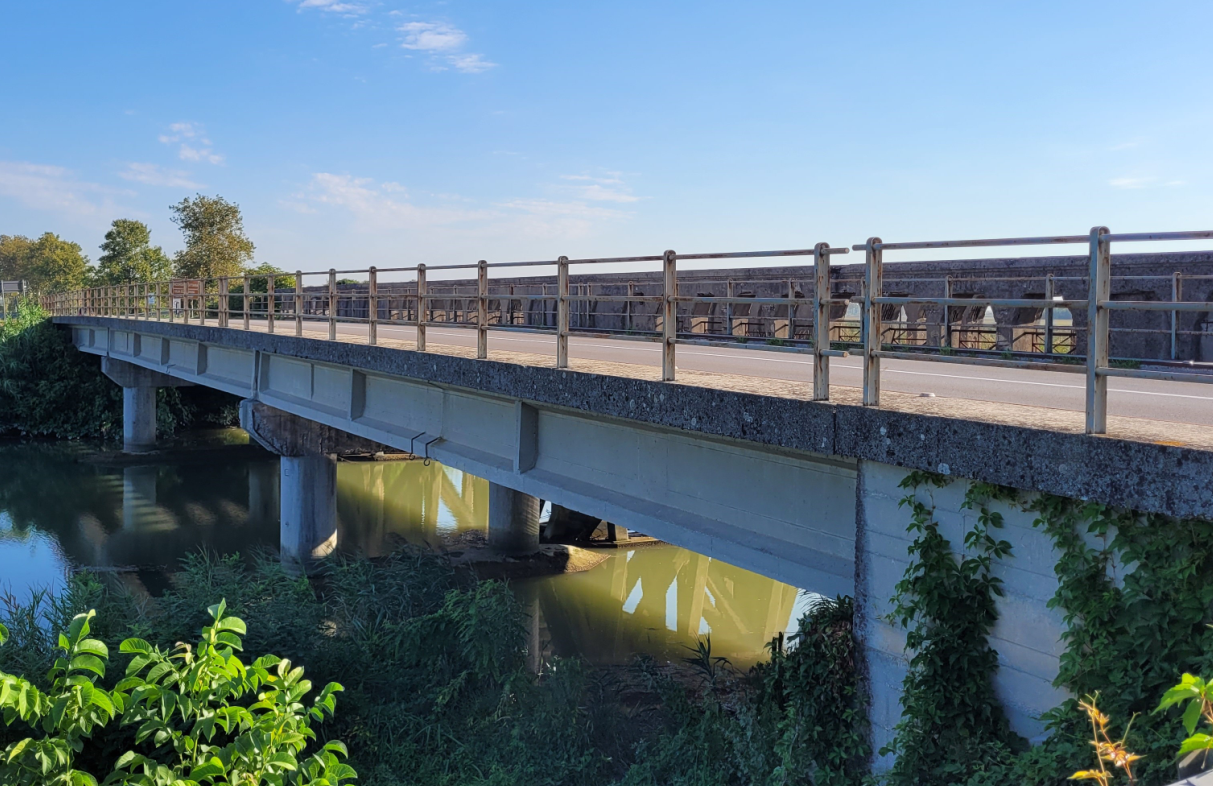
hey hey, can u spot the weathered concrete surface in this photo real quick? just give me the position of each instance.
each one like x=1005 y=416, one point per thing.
x=128 y=375
x=308 y=529
x=139 y=386
x=1143 y=465
x=290 y=435
x=513 y=521
x=1027 y=635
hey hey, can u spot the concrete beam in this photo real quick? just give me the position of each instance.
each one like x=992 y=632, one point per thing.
x=290 y=435
x=129 y=375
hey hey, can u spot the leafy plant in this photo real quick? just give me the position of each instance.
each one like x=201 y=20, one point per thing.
x=1198 y=695
x=952 y=722
x=182 y=699
x=60 y=719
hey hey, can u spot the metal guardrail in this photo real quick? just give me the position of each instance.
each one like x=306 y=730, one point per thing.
x=424 y=304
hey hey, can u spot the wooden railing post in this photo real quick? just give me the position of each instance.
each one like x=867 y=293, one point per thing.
x=298 y=302
x=422 y=307
x=821 y=322
x=372 y=307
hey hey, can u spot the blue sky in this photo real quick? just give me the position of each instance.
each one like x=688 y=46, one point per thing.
x=356 y=132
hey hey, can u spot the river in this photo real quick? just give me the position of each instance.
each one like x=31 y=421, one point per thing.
x=64 y=506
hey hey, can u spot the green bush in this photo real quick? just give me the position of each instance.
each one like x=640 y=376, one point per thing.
x=202 y=716
x=49 y=389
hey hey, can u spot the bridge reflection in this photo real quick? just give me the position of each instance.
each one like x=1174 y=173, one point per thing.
x=656 y=600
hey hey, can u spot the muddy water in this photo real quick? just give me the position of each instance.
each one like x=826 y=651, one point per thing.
x=65 y=507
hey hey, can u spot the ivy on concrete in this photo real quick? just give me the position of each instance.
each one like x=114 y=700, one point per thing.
x=952 y=722
x=1136 y=594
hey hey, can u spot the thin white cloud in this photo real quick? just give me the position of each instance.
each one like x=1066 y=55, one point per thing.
x=444 y=43
x=376 y=205
x=154 y=175
x=1143 y=182
x=192 y=143
x=609 y=188
x=388 y=207
x=471 y=64
x=55 y=189
x=332 y=6
x=432 y=36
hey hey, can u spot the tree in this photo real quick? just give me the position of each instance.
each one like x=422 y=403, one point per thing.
x=215 y=243
x=128 y=256
x=257 y=282
x=14 y=255
x=48 y=264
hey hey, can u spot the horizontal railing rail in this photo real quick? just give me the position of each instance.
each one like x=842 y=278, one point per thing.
x=949 y=328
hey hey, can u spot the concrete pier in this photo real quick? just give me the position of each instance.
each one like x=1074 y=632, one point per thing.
x=139 y=387
x=307 y=480
x=138 y=419
x=513 y=521
x=308 y=530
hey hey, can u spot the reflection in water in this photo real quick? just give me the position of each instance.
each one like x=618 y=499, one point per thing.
x=655 y=600
x=60 y=507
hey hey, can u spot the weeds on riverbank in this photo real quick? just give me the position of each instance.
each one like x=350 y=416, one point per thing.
x=49 y=389
x=440 y=688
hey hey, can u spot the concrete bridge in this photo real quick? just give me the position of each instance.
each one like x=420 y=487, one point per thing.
x=763 y=472
x=739 y=468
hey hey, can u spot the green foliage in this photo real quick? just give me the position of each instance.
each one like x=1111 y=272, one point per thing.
x=208 y=717
x=48 y=388
x=799 y=719
x=48 y=264
x=1198 y=695
x=61 y=719
x=128 y=256
x=215 y=243
x=952 y=723
x=1136 y=592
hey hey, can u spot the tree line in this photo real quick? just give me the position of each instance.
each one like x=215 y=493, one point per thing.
x=215 y=245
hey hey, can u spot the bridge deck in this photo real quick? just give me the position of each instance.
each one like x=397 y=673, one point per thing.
x=1138 y=428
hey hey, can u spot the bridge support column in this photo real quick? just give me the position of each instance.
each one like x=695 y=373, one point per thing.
x=307 y=478
x=513 y=521
x=138 y=419
x=138 y=401
x=308 y=529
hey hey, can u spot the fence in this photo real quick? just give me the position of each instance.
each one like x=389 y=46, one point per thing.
x=820 y=324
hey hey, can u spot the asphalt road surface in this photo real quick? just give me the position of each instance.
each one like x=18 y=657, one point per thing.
x=1177 y=402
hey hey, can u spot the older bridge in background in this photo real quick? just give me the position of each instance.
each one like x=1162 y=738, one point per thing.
x=754 y=470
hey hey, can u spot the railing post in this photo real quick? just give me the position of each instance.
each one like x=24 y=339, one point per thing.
x=202 y=301
x=669 y=317
x=631 y=307
x=269 y=302
x=947 y=313
x=821 y=321
x=332 y=304
x=422 y=307
x=562 y=312
x=482 y=309
x=1049 y=295
x=298 y=302
x=372 y=307
x=159 y=301
x=224 y=305
x=791 y=311
x=244 y=300
x=1176 y=296
x=873 y=288
x=728 y=309
x=1098 y=293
